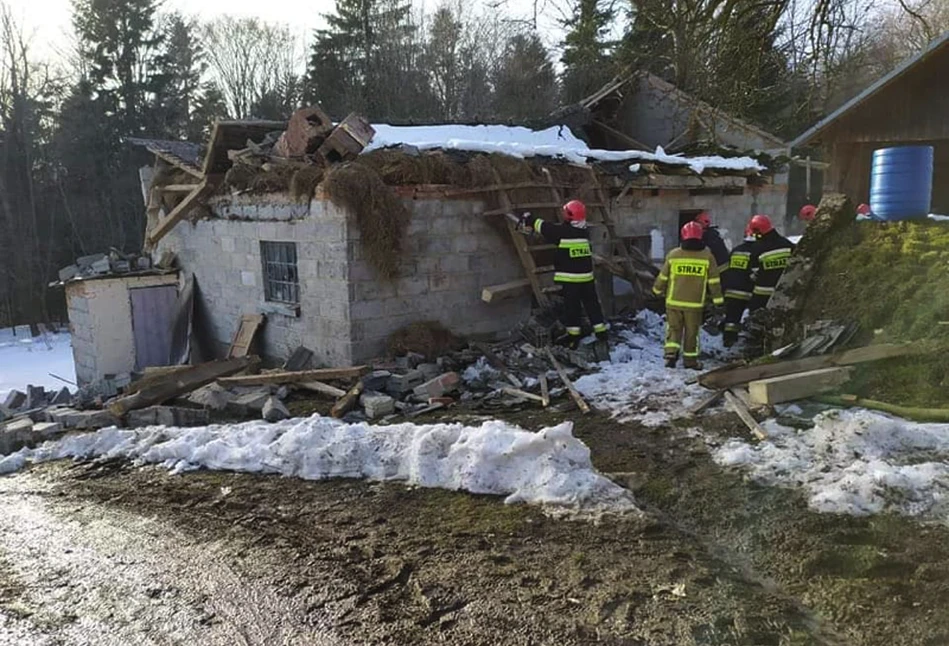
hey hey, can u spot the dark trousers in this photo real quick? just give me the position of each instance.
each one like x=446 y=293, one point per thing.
x=758 y=301
x=734 y=309
x=576 y=298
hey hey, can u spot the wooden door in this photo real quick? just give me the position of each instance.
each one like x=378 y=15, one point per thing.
x=153 y=310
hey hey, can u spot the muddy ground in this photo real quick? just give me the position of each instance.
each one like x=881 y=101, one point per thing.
x=106 y=553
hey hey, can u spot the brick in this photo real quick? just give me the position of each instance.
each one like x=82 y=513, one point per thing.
x=15 y=399
x=377 y=405
x=438 y=386
x=399 y=385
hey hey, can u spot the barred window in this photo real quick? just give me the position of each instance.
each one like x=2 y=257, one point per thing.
x=281 y=280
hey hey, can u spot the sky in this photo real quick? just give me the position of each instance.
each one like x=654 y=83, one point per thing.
x=49 y=21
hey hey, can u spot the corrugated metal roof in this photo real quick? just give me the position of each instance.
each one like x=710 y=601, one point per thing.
x=882 y=83
x=186 y=151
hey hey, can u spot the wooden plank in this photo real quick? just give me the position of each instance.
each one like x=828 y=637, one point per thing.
x=284 y=377
x=636 y=144
x=152 y=376
x=544 y=389
x=520 y=244
x=321 y=388
x=348 y=401
x=739 y=408
x=244 y=337
x=178 y=188
x=707 y=402
x=498 y=365
x=737 y=375
x=494 y=188
x=493 y=293
x=179 y=383
x=801 y=385
x=907 y=412
x=581 y=404
x=523 y=395
x=173 y=218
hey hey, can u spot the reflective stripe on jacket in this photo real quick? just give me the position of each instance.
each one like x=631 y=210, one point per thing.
x=687 y=277
x=770 y=258
x=573 y=260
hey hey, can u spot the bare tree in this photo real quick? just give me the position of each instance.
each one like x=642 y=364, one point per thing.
x=251 y=59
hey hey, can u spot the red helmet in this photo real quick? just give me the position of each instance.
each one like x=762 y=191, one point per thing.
x=704 y=219
x=748 y=232
x=692 y=231
x=864 y=209
x=807 y=213
x=760 y=225
x=574 y=211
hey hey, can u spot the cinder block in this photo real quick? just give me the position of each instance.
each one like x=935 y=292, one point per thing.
x=465 y=244
x=439 y=283
x=412 y=286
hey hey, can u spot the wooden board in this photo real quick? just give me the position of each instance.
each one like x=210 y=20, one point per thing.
x=168 y=222
x=494 y=293
x=178 y=383
x=544 y=390
x=736 y=375
x=321 y=388
x=801 y=385
x=739 y=408
x=707 y=402
x=244 y=337
x=348 y=402
x=581 y=404
x=301 y=376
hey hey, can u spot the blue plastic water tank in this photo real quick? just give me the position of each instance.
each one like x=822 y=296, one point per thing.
x=901 y=182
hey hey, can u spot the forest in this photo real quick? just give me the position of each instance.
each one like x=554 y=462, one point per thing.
x=69 y=181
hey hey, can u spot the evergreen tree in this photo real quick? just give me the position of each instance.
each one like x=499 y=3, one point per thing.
x=586 y=52
x=525 y=83
x=181 y=69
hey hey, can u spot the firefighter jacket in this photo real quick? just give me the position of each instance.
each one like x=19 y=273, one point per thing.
x=736 y=280
x=769 y=260
x=713 y=241
x=688 y=276
x=573 y=261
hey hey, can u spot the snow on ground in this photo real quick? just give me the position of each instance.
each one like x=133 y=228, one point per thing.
x=550 y=467
x=517 y=141
x=636 y=385
x=853 y=462
x=28 y=361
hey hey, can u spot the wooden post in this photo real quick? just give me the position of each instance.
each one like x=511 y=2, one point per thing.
x=581 y=404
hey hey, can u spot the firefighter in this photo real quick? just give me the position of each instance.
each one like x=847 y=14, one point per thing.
x=768 y=259
x=688 y=276
x=573 y=266
x=738 y=286
x=713 y=240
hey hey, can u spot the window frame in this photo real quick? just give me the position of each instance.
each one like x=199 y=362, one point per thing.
x=280 y=272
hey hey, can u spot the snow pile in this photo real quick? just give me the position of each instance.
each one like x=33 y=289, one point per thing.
x=25 y=360
x=557 y=141
x=550 y=467
x=636 y=385
x=854 y=462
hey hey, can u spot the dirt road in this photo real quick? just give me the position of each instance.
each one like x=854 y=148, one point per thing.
x=110 y=554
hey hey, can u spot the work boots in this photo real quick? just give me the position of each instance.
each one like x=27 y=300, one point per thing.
x=671 y=361
x=601 y=347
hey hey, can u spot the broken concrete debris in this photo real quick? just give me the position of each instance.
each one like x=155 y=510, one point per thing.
x=438 y=386
x=35 y=397
x=274 y=410
x=377 y=404
x=15 y=399
x=167 y=416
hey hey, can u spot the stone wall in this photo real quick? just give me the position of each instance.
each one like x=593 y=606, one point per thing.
x=224 y=255
x=452 y=253
x=100 y=322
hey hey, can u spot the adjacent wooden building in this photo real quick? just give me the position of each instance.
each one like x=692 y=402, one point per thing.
x=908 y=106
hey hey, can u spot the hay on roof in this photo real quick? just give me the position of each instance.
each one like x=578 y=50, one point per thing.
x=380 y=214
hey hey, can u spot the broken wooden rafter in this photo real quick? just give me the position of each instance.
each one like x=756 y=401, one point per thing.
x=177 y=188
x=179 y=383
x=168 y=222
x=739 y=408
x=800 y=385
x=581 y=404
x=514 y=392
x=285 y=377
x=707 y=402
x=507 y=290
x=504 y=187
x=321 y=388
x=544 y=390
x=736 y=375
x=348 y=401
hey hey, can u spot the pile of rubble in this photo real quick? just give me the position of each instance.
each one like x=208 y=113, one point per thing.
x=113 y=263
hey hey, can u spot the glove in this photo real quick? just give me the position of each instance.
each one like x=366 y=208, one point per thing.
x=525 y=222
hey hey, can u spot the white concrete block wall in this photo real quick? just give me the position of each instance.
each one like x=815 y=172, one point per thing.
x=225 y=256
x=640 y=213
x=451 y=254
x=100 y=322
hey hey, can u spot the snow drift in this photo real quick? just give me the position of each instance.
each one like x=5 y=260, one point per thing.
x=636 y=385
x=853 y=462
x=550 y=467
x=517 y=141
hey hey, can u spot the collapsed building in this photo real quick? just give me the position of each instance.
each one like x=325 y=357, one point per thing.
x=340 y=236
